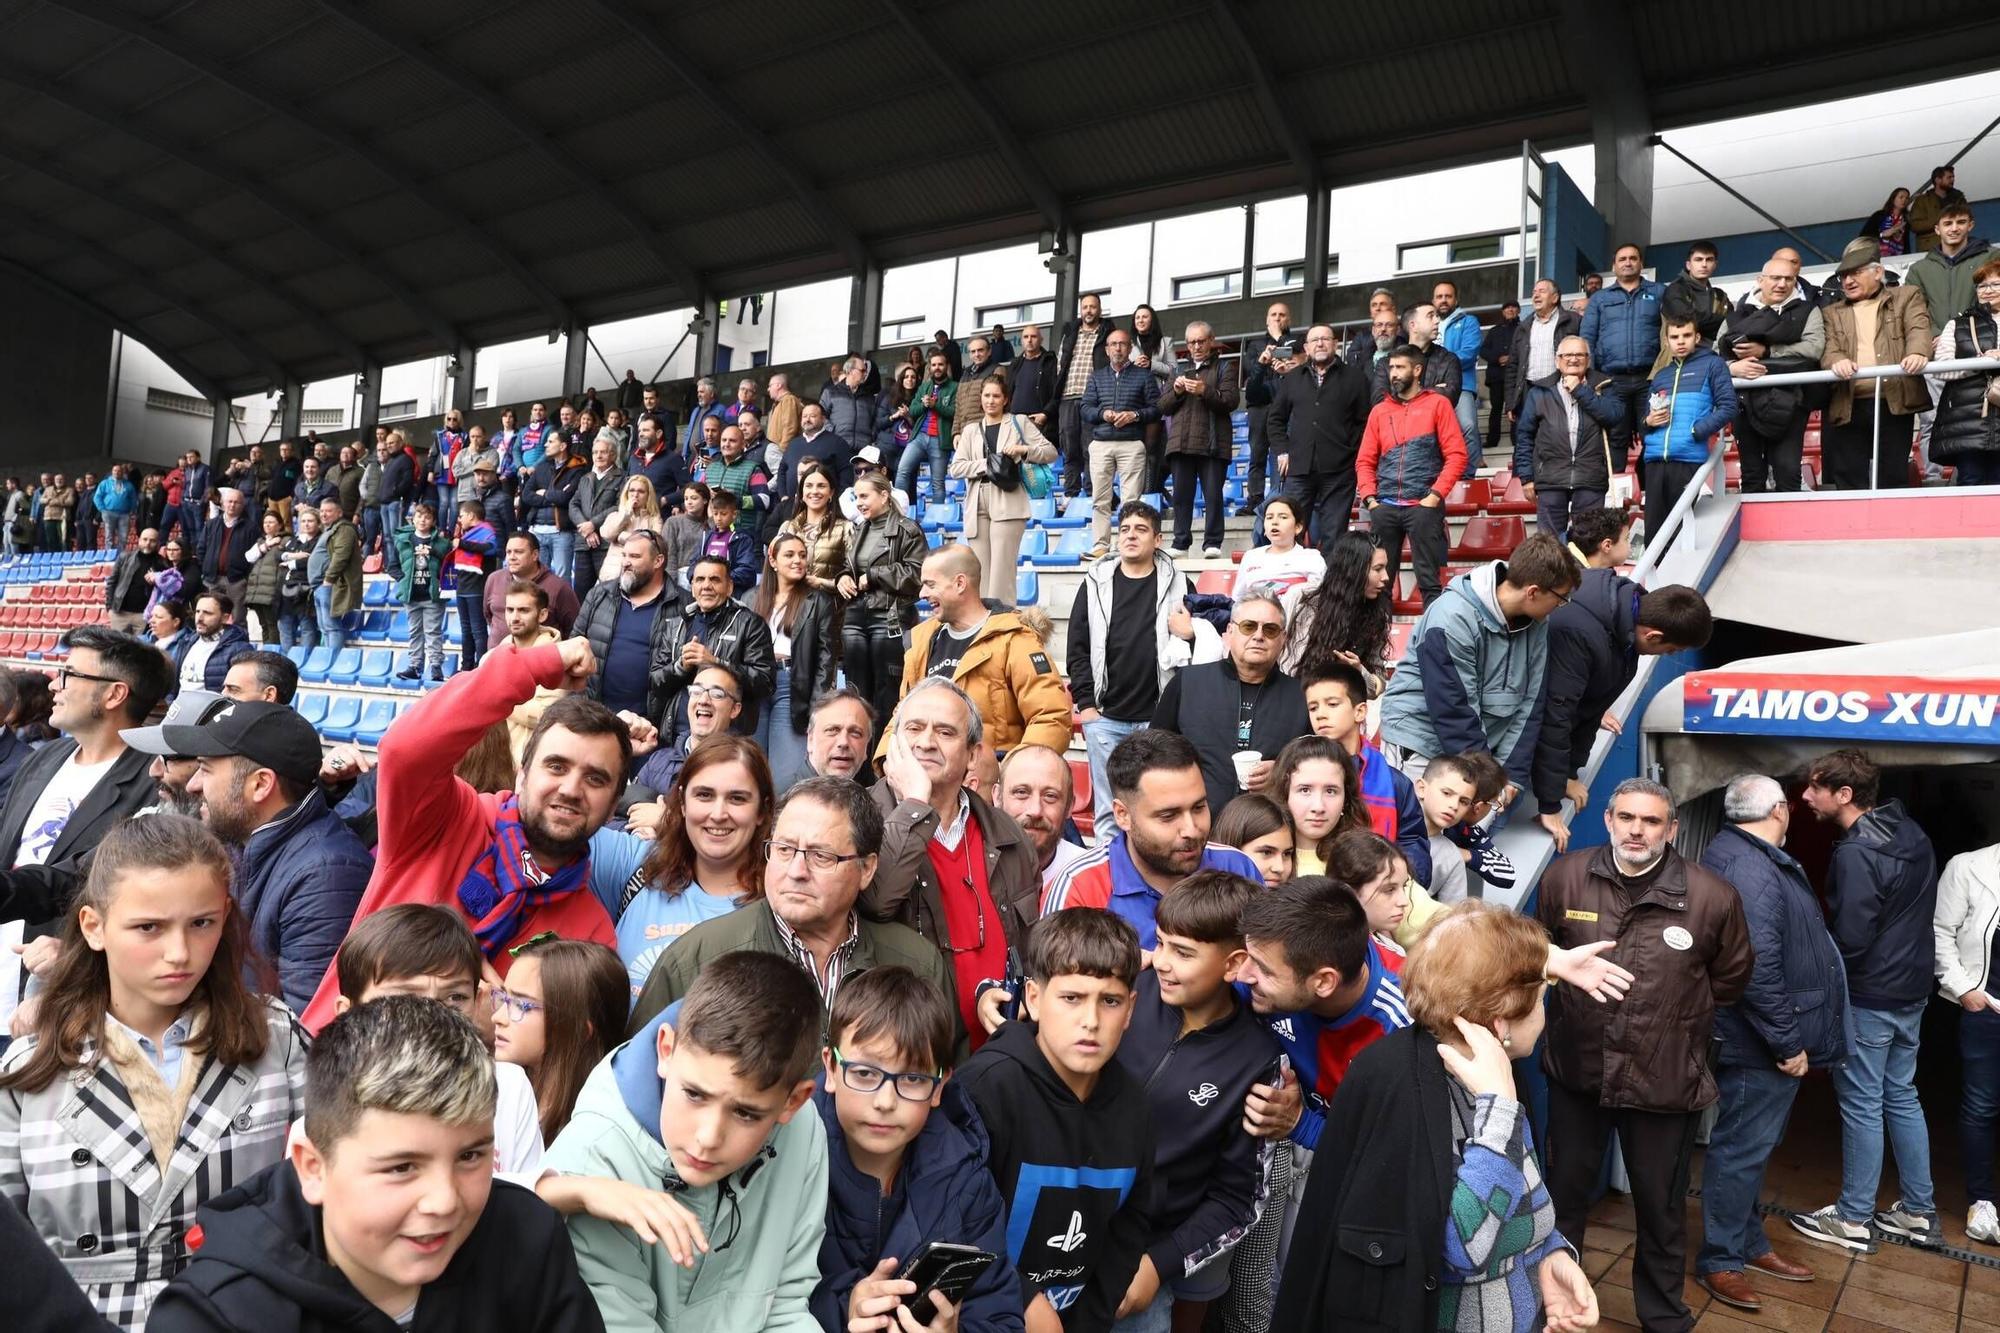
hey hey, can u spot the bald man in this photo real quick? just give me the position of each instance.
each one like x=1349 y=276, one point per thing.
x=989 y=654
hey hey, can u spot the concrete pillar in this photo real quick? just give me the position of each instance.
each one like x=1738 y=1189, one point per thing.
x=1624 y=157
x=864 y=310
x=292 y=410
x=368 y=406
x=576 y=350
x=467 y=357
x=1069 y=287
x=220 y=429
x=1319 y=233
x=708 y=336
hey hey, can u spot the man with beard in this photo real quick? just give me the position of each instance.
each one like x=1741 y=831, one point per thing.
x=622 y=620
x=1038 y=790
x=171 y=772
x=959 y=872
x=708 y=627
x=517 y=863
x=300 y=870
x=1161 y=805
x=1641 y=1068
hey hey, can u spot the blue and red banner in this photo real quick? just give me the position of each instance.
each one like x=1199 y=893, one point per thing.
x=1865 y=708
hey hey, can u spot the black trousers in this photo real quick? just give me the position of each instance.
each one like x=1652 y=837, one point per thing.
x=1499 y=430
x=1187 y=469
x=1631 y=390
x=583 y=576
x=1156 y=459
x=1844 y=450
x=1260 y=457
x=1769 y=457
x=1389 y=524
x=871 y=644
x=1665 y=483
x=1075 y=444
x=1329 y=501
x=1658 y=1148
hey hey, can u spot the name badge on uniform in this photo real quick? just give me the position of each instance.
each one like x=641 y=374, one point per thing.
x=1574 y=915
x=1677 y=938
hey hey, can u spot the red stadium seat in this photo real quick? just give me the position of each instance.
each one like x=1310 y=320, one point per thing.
x=1514 y=501
x=1468 y=497
x=1490 y=538
x=1080 y=807
x=1399 y=639
x=1217 y=581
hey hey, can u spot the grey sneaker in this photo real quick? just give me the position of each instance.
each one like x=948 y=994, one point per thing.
x=1826 y=1227
x=1982 y=1223
x=1916 y=1228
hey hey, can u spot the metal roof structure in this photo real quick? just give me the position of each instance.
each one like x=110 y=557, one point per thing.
x=263 y=190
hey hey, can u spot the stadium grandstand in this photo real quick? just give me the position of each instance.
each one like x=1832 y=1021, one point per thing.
x=283 y=275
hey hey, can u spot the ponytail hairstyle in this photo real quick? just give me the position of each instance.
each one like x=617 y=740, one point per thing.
x=585 y=995
x=78 y=998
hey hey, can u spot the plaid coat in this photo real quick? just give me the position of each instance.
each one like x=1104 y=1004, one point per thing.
x=75 y=1160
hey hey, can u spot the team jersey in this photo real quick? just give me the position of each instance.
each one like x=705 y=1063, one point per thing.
x=1105 y=877
x=1321 y=1049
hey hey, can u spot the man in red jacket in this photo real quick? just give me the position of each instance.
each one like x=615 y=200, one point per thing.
x=1412 y=454
x=515 y=863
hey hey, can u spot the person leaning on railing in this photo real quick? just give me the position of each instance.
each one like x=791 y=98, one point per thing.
x=1876 y=325
x=1967 y=433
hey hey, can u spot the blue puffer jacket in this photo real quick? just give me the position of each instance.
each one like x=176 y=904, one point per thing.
x=1623 y=328
x=1797 y=996
x=298 y=882
x=1702 y=402
x=1461 y=336
x=944 y=1192
x=235 y=642
x=1882 y=884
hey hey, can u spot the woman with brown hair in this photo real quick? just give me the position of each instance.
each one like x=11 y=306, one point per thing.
x=805 y=641
x=1426 y=1208
x=561 y=1010
x=1314 y=779
x=996 y=506
x=818 y=520
x=706 y=860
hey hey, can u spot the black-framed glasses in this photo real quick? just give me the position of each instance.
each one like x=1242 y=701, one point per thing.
x=784 y=853
x=65 y=674
x=910 y=1087
x=1562 y=597
x=715 y=692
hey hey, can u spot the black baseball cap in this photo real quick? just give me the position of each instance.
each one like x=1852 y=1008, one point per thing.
x=270 y=735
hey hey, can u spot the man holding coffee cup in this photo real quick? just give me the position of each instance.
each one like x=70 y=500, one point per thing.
x=1241 y=711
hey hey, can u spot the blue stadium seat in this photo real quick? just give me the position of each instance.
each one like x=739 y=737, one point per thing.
x=946 y=515
x=1035 y=541
x=377 y=593
x=1076 y=541
x=342 y=718
x=346 y=668
x=375 y=720
x=298 y=652
x=399 y=627
x=376 y=665
x=312 y=706
x=317 y=664
x=451 y=630
x=374 y=627
x=1027 y=587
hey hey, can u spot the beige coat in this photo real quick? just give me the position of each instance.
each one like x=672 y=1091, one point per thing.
x=1903 y=328
x=969 y=461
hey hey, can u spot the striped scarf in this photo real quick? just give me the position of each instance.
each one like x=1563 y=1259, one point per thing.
x=505 y=884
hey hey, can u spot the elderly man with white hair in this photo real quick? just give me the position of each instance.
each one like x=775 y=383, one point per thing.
x=1790 y=1017
x=226 y=543
x=1199 y=439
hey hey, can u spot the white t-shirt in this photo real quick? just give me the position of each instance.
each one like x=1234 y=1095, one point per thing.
x=69 y=787
x=1295 y=573
x=194 y=666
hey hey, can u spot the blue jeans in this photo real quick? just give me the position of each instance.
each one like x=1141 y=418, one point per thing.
x=332 y=628
x=392 y=518
x=1979 y=1107
x=558 y=551
x=1977 y=470
x=471 y=626
x=117 y=527
x=923 y=447
x=1101 y=738
x=1468 y=423
x=785 y=748
x=1155 y=1318
x=1878 y=1090
x=1755 y=1104
x=297 y=626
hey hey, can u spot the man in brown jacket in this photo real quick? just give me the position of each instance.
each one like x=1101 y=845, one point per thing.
x=1877 y=325
x=953 y=868
x=1640 y=1067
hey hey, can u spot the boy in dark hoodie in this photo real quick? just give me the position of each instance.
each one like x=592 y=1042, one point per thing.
x=1198 y=1048
x=1072 y=1137
x=906 y=1158
x=387 y=1216
x=725 y=541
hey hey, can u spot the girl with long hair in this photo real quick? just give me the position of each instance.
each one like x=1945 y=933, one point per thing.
x=153 y=1078
x=1314 y=778
x=893 y=425
x=1890 y=224
x=1153 y=352
x=1294 y=569
x=706 y=860
x=817 y=519
x=885 y=561
x=638 y=511
x=1261 y=829
x=805 y=639
x=1347 y=616
x=561 y=1010
x=1375 y=869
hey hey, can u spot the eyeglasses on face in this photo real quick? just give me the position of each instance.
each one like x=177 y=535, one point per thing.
x=66 y=674
x=1254 y=629
x=516 y=1007
x=867 y=1078
x=784 y=853
x=714 y=692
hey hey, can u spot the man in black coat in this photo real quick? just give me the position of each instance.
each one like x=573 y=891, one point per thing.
x=1267 y=358
x=1536 y=338
x=1317 y=417
x=1496 y=349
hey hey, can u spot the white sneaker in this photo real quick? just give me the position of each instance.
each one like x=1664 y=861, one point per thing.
x=1212 y=552
x=1827 y=1227
x=1982 y=1223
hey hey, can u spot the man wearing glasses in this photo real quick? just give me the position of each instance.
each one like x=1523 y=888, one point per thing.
x=1561 y=452
x=960 y=872
x=1239 y=712
x=71 y=792
x=823 y=850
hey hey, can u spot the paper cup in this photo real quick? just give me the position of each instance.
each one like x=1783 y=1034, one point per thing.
x=1245 y=760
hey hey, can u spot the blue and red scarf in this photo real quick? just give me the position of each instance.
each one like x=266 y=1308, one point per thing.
x=1378 y=790
x=498 y=893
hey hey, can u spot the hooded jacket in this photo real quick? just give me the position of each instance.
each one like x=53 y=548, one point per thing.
x=1945 y=281
x=262 y=1268
x=1077 y=1175
x=1698 y=299
x=1592 y=658
x=298 y=881
x=1701 y=400
x=1410 y=448
x=1011 y=678
x=1882 y=885
x=1470 y=681
x=1686 y=940
x=1796 y=999
x=943 y=1192
x=1211 y=1182
x=1964 y=922
x=772 y=1210
x=1089 y=653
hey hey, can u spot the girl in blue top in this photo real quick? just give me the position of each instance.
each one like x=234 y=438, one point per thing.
x=706 y=861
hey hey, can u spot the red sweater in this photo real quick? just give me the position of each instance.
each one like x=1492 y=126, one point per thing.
x=433 y=825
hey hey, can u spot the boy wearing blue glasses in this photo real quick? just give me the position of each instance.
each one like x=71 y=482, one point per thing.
x=906 y=1163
